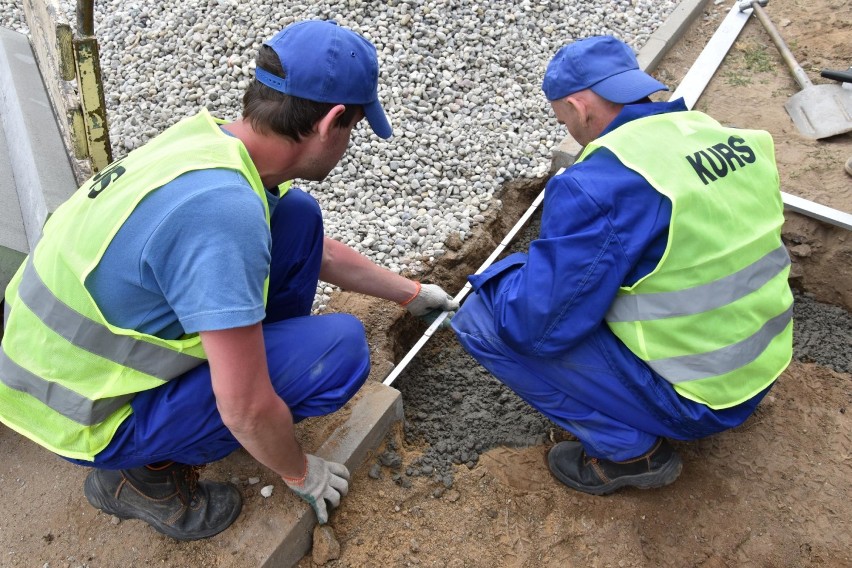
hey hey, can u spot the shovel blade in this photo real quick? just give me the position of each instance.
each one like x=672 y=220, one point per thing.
x=820 y=111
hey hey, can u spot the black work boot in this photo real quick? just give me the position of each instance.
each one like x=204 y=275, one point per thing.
x=569 y=463
x=169 y=497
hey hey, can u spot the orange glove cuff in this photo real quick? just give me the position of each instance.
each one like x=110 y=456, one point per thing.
x=298 y=481
x=416 y=293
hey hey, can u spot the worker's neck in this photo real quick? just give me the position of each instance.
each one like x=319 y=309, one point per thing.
x=275 y=157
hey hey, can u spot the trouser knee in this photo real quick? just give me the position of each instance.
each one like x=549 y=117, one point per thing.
x=317 y=363
x=297 y=245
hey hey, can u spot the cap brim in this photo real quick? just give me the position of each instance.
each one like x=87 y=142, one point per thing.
x=378 y=121
x=627 y=87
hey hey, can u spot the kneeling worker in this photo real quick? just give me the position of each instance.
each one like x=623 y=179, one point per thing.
x=654 y=303
x=163 y=320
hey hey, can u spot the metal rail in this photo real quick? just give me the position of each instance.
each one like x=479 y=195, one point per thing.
x=86 y=17
x=90 y=84
x=69 y=62
x=507 y=240
x=708 y=61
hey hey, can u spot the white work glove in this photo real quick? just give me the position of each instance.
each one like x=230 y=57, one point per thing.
x=323 y=481
x=430 y=298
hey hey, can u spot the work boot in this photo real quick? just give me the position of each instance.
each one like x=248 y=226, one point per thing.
x=569 y=463
x=167 y=496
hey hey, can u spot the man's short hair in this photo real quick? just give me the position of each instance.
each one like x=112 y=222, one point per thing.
x=268 y=110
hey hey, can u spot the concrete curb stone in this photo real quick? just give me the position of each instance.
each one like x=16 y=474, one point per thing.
x=41 y=175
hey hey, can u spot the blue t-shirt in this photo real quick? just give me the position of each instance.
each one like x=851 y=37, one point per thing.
x=193 y=256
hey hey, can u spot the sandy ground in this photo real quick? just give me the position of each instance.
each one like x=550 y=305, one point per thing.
x=774 y=492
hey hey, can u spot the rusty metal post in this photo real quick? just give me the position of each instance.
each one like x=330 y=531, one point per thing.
x=86 y=17
x=53 y=43
x=90 y=85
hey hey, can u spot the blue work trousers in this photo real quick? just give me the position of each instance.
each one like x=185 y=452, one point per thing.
x=599 y=390
x=316 y=363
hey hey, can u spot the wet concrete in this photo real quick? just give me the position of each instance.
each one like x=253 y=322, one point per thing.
x=822 y=333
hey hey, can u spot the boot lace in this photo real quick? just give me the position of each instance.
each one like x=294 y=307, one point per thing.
x=191 y=473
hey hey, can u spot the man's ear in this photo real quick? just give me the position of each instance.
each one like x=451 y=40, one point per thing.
x=329 y=121
x=579 y=106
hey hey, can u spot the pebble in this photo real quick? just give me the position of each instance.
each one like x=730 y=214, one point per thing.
x=375 y=471
x=325 y=545
x=266 y=491
x=460 y=82
x=390 y=459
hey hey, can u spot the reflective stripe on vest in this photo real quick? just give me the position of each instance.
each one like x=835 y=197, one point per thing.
x=702 y=298
x=724 y=360
x=64 y=401
x=94 y=337
x=154 y=360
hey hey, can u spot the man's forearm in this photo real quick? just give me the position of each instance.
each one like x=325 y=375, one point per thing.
x=248 y=404
x=270 y=439
x=347 y=268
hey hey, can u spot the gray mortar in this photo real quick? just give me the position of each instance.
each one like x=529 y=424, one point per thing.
x=459 y=410
x=822 y=333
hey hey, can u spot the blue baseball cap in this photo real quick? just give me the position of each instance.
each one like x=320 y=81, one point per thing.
x=603 y=64
x=324 y=62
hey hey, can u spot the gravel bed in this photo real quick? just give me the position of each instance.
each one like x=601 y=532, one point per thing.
x=460 y=82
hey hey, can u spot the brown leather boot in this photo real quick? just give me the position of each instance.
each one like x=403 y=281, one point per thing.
x=657 y=467
x=167 y=496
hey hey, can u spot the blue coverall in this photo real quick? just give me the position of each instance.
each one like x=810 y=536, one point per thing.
x=536 y=320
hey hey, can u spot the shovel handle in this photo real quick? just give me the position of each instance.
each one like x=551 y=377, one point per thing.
x=835 y=75
x=798 y=73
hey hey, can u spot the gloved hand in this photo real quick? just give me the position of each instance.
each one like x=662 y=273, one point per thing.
x=429 y=318
x=430 y=297
x=323 y=481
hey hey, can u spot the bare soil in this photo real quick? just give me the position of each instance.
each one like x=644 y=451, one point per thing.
x=774 y=492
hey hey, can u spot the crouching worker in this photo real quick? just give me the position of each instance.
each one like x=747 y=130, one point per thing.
x=163 y=320
x=654 y=303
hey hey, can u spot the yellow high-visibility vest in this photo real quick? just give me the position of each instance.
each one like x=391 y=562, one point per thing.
x=67 y=376
x=714 y=318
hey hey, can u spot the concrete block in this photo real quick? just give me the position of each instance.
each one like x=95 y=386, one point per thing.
x=565 y=154
x=665 y=36
x=13 y=243
x=652 y=53
x=39 y=163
